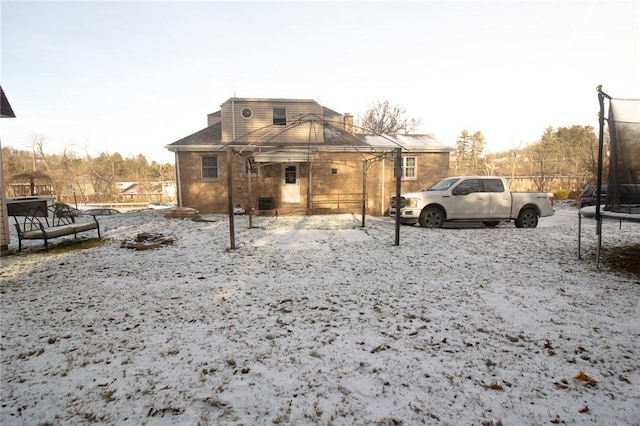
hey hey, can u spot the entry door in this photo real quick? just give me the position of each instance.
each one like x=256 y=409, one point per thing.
x=290 y=183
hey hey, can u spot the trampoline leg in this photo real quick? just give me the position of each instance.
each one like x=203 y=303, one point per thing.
x=579 y=234
x=599 y=225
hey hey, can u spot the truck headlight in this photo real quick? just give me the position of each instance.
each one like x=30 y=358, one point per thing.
x=411 y=202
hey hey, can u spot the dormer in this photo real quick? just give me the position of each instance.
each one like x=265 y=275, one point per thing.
x=272 y=122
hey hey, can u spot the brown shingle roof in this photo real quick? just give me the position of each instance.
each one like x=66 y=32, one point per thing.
x=334 y=136
x=211 y=135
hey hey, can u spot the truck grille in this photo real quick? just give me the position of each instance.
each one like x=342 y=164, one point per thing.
x=403 y=202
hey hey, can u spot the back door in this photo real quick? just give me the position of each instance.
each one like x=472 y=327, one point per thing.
x=499 y=199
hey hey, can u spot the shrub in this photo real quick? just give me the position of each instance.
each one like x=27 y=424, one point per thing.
x=562 y=194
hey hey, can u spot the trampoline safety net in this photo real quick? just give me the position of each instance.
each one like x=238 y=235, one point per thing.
x=623 y=194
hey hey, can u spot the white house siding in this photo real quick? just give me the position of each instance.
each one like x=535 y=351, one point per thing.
x=263 y=119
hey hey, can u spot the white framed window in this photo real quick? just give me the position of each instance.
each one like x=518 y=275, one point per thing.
x=409 y=168
x=209 y=167
x=279 y=116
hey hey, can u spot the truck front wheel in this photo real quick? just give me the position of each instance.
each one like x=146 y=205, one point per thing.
x=432 y=217
x=527 y=219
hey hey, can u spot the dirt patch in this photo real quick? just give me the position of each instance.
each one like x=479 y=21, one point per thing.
x=623 y=259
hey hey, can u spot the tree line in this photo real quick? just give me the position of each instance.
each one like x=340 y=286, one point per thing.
x=563 y=158
x=68 y=175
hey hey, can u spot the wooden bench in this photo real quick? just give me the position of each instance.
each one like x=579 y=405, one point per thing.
x=34 y=220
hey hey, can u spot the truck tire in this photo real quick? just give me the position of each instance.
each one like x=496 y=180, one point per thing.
x=432 y=217
x=491 y=223
x=527 y=219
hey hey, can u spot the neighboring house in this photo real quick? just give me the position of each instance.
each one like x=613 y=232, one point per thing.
x=163 y=191
x=294 y=155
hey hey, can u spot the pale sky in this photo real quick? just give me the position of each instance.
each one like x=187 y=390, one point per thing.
x=132 y=77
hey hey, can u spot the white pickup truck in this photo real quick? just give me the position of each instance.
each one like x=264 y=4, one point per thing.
x=486 y=199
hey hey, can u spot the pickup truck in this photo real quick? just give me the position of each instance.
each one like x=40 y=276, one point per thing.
x=485 y=199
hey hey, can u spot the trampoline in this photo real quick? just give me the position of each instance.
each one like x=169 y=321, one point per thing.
x=622 y=202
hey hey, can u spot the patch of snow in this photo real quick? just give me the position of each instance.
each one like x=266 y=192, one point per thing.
x=316 y=320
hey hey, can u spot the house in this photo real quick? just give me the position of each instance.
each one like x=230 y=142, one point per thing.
x=294 y=155
x=162 y=191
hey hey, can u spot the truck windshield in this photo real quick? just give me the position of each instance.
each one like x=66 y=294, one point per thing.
x=444 y=184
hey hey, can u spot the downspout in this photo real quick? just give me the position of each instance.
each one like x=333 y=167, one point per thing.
x=233 y=118
x=178 y=180
x=382 y=189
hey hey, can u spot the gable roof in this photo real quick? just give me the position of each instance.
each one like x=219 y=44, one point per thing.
x=335 y=137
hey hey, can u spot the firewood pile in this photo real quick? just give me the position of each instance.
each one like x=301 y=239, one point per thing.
x=148 y=241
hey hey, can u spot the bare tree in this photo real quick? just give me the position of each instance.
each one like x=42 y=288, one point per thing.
x=514 y=154
x=383 y=118
x=541 y=154
x=103 y=172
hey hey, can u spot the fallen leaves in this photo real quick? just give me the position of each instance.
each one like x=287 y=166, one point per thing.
x=581 y=378
x=556 y=420
x=562 y=384
x=36 y=352
x=493 y=386
x=624 y=379
x=586 y=380
x=512 y=339
x=380 y=348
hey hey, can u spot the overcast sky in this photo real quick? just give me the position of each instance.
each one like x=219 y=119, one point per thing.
x=132 y=77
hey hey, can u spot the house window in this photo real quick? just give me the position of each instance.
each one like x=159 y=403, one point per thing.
x=409 y=168
x=210 y=168
x=279 y=116
x=247 y=113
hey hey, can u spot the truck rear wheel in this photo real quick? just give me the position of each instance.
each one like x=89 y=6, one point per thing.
x=432 y=217
x=527 y=219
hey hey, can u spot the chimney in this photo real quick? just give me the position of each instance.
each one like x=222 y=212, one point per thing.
x=213 y=118
x=348 y=122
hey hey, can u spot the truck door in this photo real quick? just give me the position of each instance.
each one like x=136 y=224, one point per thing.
x=468 y=201
x=499 y=198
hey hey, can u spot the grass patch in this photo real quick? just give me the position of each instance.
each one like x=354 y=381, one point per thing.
x=69 y=246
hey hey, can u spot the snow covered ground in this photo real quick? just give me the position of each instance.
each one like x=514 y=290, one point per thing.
x=316 y=320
